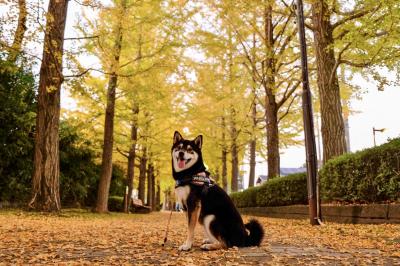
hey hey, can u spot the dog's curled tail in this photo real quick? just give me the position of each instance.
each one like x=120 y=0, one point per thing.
x=256 y=233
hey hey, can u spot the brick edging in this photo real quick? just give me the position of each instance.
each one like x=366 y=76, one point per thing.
x=364 y=214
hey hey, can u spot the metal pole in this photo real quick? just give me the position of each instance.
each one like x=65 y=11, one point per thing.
x=373 y=133
x=318 y=138
x=374 y=130
x=311 y=156
x=126 y=210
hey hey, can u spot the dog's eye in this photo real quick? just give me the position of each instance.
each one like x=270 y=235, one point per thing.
x=190 y=149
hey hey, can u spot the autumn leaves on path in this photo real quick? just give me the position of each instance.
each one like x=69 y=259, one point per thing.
x=80 y=237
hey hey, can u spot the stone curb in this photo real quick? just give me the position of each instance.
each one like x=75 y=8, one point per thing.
x=357 y=214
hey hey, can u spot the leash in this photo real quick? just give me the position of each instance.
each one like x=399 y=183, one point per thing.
x=166 y=231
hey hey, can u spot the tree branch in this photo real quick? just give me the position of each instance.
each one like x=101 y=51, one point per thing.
x=81 y=38
x=286 y=42
x=88 y=4
x=123 y=153
x=363 y=64
x=287 y=94
x=337 y=63
x=139 y=57
x=253 y=71
x=353 y=15
x=9 y=48
x=288 y=108
x=288 y=19
x=113 y=73
x=354 y=64
x=278 y=67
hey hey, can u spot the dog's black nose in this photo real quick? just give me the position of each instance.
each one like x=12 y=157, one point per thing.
x=181 y=154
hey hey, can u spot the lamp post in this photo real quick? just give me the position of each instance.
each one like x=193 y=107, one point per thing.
x=376 y=130
x=311 y=154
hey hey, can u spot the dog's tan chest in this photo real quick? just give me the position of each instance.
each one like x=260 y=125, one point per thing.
x=182 y=194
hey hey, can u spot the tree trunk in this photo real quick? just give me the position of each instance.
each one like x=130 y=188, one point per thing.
x=253 y=142
x=272 y=137
x=153 y=189
x=142 y=175
x=235 y=167
x=252 y=173
x=232 y=120
x=16 y=46
x=224 y=158
x=158 y=195
x=234 y=152
x=271 y=107
x=46 y=173
x=150 y=170
x=134 y=131
x=106 y=165
x=216 y=176
x=318 y=139
x=332 y=125
x=346 y=126
x=132 y=156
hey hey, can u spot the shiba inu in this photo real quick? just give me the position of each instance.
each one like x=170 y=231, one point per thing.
x=206 y=202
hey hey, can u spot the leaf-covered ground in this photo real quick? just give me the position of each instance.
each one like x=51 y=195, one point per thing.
x=80 y=237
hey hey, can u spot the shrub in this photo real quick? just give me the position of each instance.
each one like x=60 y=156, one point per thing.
x=115 y=203
x=79 y=173
x=370 y=175
x=17 y=120
x=280 y=191
x=118 y=181
x=246 y=198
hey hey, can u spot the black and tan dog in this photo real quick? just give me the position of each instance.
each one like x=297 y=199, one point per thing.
x=205 y=201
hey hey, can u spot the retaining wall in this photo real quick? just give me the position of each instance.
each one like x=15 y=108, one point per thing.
x=363 y=214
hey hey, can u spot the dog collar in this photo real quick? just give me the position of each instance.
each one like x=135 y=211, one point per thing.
x=198 y=180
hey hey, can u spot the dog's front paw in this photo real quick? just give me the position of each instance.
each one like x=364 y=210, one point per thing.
x=185 y=247
x=206 y=241
x=212 y=246
x=206 y=246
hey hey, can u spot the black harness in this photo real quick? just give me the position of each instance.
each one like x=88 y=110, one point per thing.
x=197 y=180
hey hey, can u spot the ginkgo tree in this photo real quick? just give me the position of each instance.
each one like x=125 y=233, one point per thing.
x=142 y=55
x=217 y=85
x=355 y=36
x=247 y=25
x=46 y=173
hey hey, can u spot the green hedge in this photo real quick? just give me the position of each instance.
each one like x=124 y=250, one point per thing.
x=246 y=198
x=280 y=191
x=367 y=176
x=116 y=203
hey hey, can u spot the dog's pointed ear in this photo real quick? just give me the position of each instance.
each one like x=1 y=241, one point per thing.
x=177 y=137
x=199 y=141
